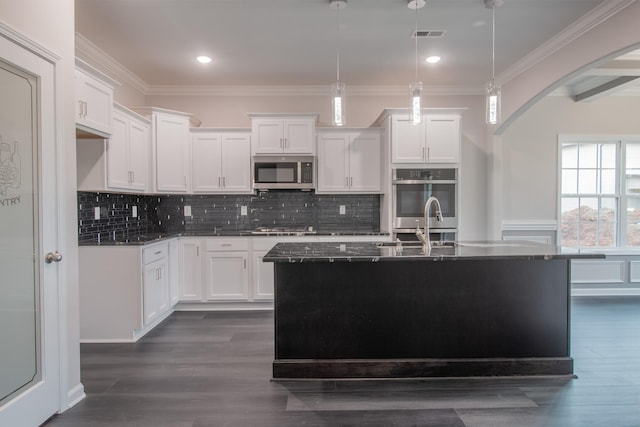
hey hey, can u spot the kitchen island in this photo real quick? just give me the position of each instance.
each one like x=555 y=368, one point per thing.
x=369 y=310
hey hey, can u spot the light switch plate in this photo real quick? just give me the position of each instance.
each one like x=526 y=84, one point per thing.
x=243 y=210
x=187 y=210
x=343 y=209
x=134 y=211
x=96 y=212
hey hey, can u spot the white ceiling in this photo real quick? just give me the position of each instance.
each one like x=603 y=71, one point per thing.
x=293 y=42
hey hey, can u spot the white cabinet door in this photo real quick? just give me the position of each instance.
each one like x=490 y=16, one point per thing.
x=298 y=136
x=118 y=173
x=267 y=136
x=226 y=276
x=190 y=270
x=205 y=162
x=128 y=154
x=333 y=163
x=174 y=272
x=262 y=277
x=364 y=163
x=407 y=140
x=139 y=139
x=236 y=163
x=94 y=103
x=155 y=290
x=171 y=139
x=443 y=138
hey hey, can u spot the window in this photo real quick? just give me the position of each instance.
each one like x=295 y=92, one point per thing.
x=599 y=193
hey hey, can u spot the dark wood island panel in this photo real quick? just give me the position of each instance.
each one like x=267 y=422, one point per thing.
x=422 y=317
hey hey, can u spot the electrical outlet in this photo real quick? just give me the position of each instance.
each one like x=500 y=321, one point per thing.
x=96 y=213
x=343 y=209
x=243 y=210
x=187 y=210
x=134 y=211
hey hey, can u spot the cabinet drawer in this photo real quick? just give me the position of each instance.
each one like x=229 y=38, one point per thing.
x=239 y=244
x=155 y=252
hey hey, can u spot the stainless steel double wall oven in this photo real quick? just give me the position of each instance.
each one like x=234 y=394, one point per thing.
x=411 y=189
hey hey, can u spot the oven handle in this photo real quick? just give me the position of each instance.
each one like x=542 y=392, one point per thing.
x=423 y=181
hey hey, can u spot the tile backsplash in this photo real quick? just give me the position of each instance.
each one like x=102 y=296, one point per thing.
x=222 y=213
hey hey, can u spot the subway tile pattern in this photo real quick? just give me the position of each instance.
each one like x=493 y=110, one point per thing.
x=223 y=213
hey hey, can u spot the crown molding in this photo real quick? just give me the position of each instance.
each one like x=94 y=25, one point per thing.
x=87 y=50
x=598 y=15
x=168 y=90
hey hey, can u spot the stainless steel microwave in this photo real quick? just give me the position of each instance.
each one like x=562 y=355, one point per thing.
x=283 y=172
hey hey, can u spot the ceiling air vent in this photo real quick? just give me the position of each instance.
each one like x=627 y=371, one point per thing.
x=431 y=34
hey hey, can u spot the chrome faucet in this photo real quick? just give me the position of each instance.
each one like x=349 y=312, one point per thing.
x=424 y=236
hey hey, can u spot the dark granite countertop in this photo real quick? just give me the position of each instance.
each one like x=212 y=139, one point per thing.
x=372 y=252
x=145 y=239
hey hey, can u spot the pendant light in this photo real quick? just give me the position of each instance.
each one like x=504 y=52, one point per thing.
x=415 y=88
x=493 y=88
x=337 y=88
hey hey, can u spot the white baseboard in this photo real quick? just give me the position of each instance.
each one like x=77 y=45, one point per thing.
x=74 y=396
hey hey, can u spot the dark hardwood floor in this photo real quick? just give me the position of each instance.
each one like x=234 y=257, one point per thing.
x=202 y=369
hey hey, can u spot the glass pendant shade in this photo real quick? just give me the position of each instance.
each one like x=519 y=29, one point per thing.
x=415 y=112
x=493 y=102
x=337 y=104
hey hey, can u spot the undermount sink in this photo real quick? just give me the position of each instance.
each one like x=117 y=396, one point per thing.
x=416 y=244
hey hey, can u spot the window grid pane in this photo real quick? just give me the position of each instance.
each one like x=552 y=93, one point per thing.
x=589 y=195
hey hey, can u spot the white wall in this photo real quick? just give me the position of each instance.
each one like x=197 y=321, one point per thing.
x=51 y=24
x=529 y=149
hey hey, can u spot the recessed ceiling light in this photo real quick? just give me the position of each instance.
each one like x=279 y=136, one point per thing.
x=433 y=59
x=203 y=59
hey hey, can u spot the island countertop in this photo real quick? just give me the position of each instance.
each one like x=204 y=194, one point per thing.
x=388 y=251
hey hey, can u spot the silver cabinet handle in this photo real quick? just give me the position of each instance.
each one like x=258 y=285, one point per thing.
x=224 y=181
x=346 y=181
x=219 y=182
x=53 y=257
x=351 y=182
x=157 y=252
x=81 y=108
x=245 y=263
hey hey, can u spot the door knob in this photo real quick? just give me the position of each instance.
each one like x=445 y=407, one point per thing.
x=53 y=257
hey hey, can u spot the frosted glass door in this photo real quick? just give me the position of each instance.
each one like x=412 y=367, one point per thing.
x=19 y=288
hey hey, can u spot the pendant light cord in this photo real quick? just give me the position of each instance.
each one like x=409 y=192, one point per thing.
x=338 y=43
x=493 y=42
x=415 y=35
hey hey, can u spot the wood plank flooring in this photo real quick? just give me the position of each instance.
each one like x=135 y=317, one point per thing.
x=206 y=369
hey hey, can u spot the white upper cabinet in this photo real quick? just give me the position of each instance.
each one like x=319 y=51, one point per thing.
x=435 y=140
x=221 y=161
x=170 y=149
x=94 y=100
x=128 y=151
x=442 y=138
x=283 y=134
x=349 y=161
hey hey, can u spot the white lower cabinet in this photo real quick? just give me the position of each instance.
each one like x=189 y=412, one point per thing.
x=155 y=279
x=226 y=269
x=190 y=288
x=122 y=304
x=231 y=269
